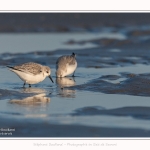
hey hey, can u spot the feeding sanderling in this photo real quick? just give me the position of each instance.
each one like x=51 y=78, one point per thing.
x=66 y=65
x=31 y=73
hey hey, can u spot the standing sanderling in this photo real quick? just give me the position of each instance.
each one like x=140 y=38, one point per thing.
x=66 y=65
x=31 y=73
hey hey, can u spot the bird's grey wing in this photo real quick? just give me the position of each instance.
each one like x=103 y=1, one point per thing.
x=66 y=60
x=71 y=60
x=31 y=68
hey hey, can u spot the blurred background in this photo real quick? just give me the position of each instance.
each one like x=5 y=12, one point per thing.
x=65 y=22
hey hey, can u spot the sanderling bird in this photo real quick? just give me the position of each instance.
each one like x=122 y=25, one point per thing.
x=66 y=65
x=31 y=73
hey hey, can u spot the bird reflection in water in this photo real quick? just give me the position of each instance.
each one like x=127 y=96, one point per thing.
x=65 y=82
x=33 y=90
x=39 y=97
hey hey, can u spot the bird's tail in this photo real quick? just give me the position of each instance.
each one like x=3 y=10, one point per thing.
x=73 y=54
x=10 y=67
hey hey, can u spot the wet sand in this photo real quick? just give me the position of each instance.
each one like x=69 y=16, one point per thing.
x=70 y=131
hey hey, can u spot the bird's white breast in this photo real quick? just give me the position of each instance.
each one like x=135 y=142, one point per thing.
x=28 y=77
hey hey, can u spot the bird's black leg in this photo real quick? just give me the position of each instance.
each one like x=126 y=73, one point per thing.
x=29 y=85
x=24 y=85
x=73 y=74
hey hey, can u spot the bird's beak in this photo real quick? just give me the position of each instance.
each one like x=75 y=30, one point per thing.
x=51 y=79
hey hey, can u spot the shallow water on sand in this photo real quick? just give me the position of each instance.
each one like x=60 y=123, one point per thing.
x=72 y=104
x=26 y=42
x=49 y=103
